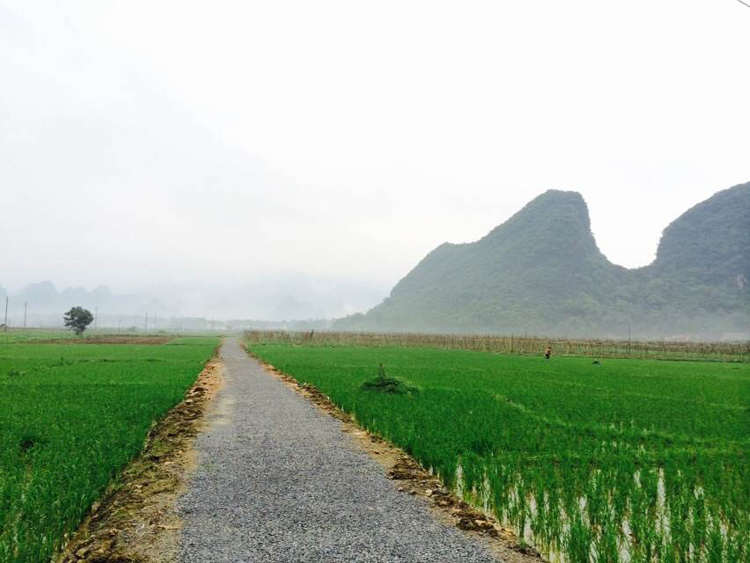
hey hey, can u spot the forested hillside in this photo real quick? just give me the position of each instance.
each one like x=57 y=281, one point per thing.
x=542 y=272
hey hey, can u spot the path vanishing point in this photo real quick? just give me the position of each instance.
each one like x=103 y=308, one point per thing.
x=277 y=480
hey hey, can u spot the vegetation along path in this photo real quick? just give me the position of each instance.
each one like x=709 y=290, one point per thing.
x=277 y=480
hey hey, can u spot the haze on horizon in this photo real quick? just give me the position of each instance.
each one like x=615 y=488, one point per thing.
x=224 y=143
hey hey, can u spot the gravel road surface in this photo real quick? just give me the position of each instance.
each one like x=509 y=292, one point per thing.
x=277 y=480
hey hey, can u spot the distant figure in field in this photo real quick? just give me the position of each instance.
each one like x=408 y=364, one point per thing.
x=548 y=352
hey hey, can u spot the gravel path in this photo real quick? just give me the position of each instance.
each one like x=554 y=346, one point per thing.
x=277 y=480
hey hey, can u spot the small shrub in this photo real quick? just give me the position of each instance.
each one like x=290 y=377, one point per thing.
x=382 y=383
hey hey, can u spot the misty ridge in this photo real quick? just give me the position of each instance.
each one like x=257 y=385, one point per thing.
x=542 y=273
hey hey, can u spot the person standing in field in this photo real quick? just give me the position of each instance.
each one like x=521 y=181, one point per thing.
x=548 y=352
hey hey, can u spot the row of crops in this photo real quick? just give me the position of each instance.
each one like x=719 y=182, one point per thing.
x=618 y=460
x=735 y=351
x=71 y=416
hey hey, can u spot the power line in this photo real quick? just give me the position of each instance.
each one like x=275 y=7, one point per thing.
x=744 y=3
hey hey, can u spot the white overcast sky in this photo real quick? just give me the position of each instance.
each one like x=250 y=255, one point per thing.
x=144 y=142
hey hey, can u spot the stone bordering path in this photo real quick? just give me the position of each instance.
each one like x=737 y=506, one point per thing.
x=136 y=518
x=415 y=480
x=278 y=481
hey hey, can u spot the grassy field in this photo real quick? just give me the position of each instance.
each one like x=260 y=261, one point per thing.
x=34 y=335
x=71 y=416
x=621 y=460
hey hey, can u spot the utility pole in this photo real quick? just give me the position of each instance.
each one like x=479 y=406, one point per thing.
x=25 y=305
x=145 y=325
x=5 y=324
x=119 y=323
x=96 y=318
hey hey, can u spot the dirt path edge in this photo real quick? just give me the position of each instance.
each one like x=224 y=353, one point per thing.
x=135 y=520
x=413 y=479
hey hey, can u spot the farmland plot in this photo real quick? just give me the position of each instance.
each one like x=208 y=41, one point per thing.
x=71 y=416
x=619 y=460
x=14 y=336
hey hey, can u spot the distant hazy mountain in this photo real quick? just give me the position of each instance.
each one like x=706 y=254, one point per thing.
x=280 y=299
x=41 y=304
x=44 y=297
x=542 y=272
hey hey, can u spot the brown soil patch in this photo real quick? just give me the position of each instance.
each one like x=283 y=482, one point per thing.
x=108 y=339
x=415 y=480
x=136 y=520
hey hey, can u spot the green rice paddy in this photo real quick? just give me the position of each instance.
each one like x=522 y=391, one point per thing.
x=620 y=460
x=71 y=416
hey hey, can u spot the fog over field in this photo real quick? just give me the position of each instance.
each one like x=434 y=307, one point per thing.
x=295 y=160
x=195 y=305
